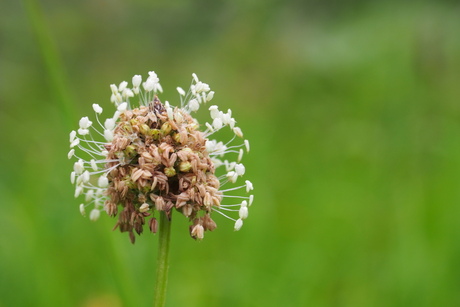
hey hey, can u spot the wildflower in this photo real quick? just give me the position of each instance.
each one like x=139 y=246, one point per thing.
x=153 y=157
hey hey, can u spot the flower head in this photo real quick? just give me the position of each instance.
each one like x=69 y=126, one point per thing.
x=156 y=157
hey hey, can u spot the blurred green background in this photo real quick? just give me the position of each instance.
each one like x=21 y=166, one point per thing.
x=353 y=113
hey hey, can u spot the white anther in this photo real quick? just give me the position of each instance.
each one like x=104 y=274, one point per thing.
x=89 y=195
x=83 y=131
x=169 y=110
x=97 y=108
x=122 y=86
x=180 y=91
x=210 y=96
x=72 y=135
x=195 y=77
x=251 y=199
x=78 y=191
x=108 y=134
x=238 y=132
x=194 y=105
x=94 y=215
x=79 y=167
x=214 y=110
x=238 y=224
x=232 y=176
x=178 y=117
x=246 y=143
x=137 y=79
x=118 y=98
x=229 y=165
x=240 y=155
x=127 y=93
x=208 y=125
x=94 y=165
x=71 y=153
x=86 y=176
x=198 y=97
x=85 y=123
x=116 y=115
x=243 y=213
x=240 y=169
x=82 y=209
x=148 y=85
x=217 y=123
x=72 y=177
x=122 y=107
x=103 y=182
x=158 y=88
x=249 y=186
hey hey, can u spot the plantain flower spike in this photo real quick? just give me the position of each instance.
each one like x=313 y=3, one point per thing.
x=151 y=156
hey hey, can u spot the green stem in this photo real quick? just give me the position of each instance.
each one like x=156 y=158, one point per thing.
x=163 y=261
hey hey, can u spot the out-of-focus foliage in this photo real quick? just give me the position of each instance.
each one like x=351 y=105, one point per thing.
x=353 y=112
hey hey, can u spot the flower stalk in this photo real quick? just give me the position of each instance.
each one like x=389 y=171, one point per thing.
x=163 y=261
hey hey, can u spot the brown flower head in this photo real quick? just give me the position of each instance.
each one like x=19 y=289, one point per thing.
x=155 y=158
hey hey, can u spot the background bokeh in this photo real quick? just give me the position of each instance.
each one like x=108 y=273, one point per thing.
x=353 y=113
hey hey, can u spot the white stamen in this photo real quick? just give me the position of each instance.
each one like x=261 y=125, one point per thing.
x=78 y=167
x=93 y=165
x=210 y=96
x=243 y=213
x=73 y=134
x=240 y=155
x=85 y=123
x=181 y=91
x=238 y=224
x=109 y=124
x=238 y=132
x=97 y=108
x=217 y=123
x=82 y=209
x=169 y=110
x=75 y=143
x=232 y=176
x=114 y=88
x=108 y=135
x=83 y=131
x=240 y=169
x=103 y=182
x=214 y=111
x=137 y=79
x=94 y=215
x=86 y=176
x=78 y=191
x=195 y=77
x=122 y=107
x=89 y=195
x=122 y=86
x=193 y=105
x=249 y=186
